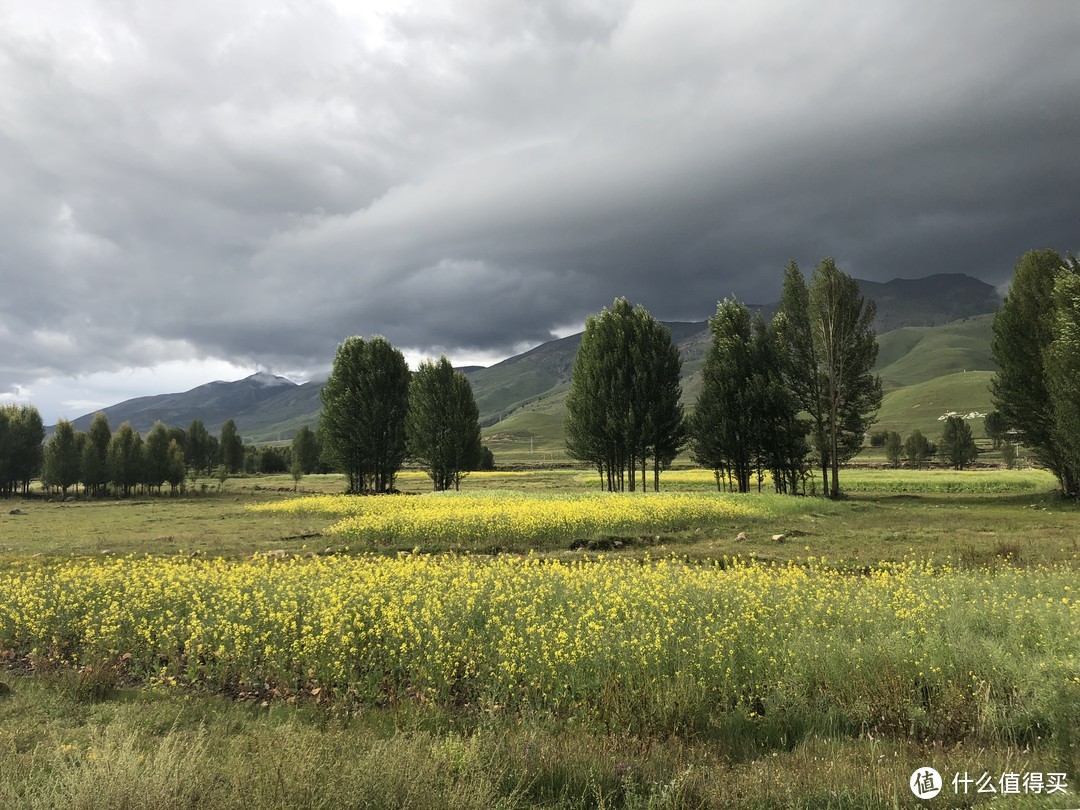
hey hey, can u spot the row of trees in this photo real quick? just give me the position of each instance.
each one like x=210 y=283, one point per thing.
x=376 y=414
x=21 y=435
x=125 y=460
x=1037 y=348
x=776 y=393
x=771 y=393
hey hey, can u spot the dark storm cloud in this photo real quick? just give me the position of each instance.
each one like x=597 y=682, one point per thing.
x=256 y=182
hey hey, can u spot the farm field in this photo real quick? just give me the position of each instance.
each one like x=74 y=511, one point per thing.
x=531 y=641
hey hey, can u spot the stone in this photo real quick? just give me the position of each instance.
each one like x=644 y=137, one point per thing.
x=16 y=512
x=5 y=690
x=779 y=538
x=741 y=538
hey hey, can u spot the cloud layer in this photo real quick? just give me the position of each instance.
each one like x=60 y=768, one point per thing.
x=252 y=182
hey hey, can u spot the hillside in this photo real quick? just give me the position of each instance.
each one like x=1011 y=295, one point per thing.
x=920 y=405
x=916 y=354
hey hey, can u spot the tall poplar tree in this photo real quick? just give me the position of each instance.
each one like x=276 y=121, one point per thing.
x=362 y=425
x=443 y=424
x=623 y=403
x=831 y=347
x=62 y=457
x=232 y=447
x=1025 y=326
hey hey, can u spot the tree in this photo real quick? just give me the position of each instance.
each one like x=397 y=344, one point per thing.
x=1025 y=326
x=94 y=472
x=21 y=436
x=362 y=425
x=124 y=459
x=995 y=426
x=957 y=445
x=443 y=423
x=623 y=403
x=232 y=447
x=830 y=344
x=156 y=456
x=722 y=427
x=198 y=453
x=1063 y=375
x=305 y=450
x=918 y=449
x=745 y=419
x=1008 y=455
x=487 y=459
x=175 y=466
x=894 y=448
x=62 y=457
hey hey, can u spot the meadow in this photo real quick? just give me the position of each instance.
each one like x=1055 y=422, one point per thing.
x=531 y=641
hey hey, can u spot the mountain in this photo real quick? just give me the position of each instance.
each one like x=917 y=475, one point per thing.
x=213 y=403
x=920 y=322
x=929 y=301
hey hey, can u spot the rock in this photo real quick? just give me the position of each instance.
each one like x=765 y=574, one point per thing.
x=697 y=530
x=277 y=554
x=741 y=537
x=69 y=499
x=107 y=551
x=5 y=690
x=16 y=512
x=779 y=538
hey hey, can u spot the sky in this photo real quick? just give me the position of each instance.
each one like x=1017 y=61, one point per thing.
x=199 y=190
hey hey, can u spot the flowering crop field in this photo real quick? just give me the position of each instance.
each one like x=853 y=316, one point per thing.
x=910 y=648
x=465 y=519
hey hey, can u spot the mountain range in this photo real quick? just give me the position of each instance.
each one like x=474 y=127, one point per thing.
x=927 y=328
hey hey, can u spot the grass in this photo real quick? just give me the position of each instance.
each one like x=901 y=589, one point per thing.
x=921 y=404
x=917 y=354
x=831 y=722
x=169 y=749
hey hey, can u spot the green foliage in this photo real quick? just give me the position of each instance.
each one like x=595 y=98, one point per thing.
x=21 y=435
x=305 y=450
x=841 y=326
x=487 y=459
x=62 y=457
x=362 y=425
x=198 y=450
x=443 y=424
x=957 y=446
x=1063 y=375
x=175 y=465
x=918 y=449
x=623 y=403
x=1027 y=324
x=878 y=438
x=93 y=468
x=745 y=417
x=894 y=448
x=995 y=427
x=232 y=447
x=156 y=456
x=124 y=459
x=1008 y=455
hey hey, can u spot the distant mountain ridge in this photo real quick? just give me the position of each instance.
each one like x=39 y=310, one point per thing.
x=269 y=408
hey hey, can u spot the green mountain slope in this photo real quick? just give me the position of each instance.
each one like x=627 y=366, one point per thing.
x=916 y=354
x=921 y=405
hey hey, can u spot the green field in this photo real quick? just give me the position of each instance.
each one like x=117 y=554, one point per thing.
x=234 y=649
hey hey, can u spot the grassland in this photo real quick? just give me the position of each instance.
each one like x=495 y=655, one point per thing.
x=927 y=619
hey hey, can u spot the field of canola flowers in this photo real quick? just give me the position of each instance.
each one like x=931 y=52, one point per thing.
x=911 y=647
x=465 y=519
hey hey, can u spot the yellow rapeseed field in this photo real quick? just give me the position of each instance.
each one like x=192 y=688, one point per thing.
x=909 y=647
x=464 y=519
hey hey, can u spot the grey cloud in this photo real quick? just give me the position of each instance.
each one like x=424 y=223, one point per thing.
x=256 y=181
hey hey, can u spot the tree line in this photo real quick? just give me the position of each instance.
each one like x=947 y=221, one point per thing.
x=773 y=394
x=377 y=414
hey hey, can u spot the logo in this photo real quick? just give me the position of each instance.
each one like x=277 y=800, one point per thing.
x=925 y=783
